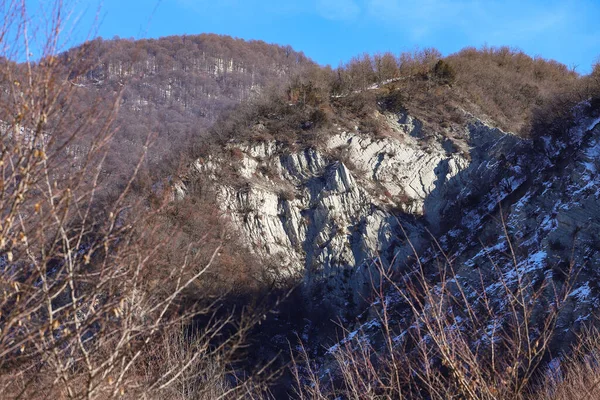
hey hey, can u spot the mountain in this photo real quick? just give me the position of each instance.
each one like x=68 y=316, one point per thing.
x=411 y=226
x=318 y=178
x=343 y=186
x=515 y=273
x=87 y=238
x=171 y=89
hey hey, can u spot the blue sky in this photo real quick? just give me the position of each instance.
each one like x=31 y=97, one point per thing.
x=330 y=31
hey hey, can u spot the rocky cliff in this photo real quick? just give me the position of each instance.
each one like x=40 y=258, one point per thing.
x=526 y=216
x=326 y=212
x=477 y=213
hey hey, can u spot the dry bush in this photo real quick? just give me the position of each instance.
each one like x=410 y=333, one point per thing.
x=87 y=291
x=506 y=84
x=195 y=223
x=446 y=338
x=576 y=375
x=502 y=84
x=555 y=116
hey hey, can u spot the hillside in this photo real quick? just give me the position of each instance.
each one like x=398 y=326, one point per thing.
x=402 y=226
x=172 y=89
x=384 y=141
x=342 y=186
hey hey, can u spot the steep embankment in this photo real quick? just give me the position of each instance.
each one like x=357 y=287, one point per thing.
x=319 y=178
x=332 y=188
x=326 y=212
x=533 y=226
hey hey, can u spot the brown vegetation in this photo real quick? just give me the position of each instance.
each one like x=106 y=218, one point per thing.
x=171 y=88
x=109 y=289
x=504 y=86
x=445 y=338
x=93 y=281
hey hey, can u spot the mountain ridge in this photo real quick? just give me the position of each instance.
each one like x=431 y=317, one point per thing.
x=409 y=217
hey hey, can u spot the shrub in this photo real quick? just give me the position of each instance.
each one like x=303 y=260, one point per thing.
x=393 y=102
x=287 y=195
x=237 y=154
x=444 y=73
x=455 y=339
x=92 y=280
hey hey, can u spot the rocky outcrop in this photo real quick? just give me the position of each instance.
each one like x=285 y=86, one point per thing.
x=322 y=210
x=326 y=214
x=532 y=219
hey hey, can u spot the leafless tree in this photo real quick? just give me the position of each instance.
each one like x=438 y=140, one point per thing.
x=89 y=305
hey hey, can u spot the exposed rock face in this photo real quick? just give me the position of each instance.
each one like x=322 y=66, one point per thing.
x=550 y=199
x=320 y=211
x=526 y=211
x=311 y=214
x=326 y=213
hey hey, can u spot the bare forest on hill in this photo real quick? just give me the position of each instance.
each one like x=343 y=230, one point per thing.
x=110 y=287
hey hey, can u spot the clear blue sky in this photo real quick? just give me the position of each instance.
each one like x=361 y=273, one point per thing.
x=330 y=31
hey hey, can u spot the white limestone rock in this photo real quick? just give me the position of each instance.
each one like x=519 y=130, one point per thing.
x=325 y=209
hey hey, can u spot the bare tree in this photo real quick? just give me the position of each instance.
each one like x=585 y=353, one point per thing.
x=457 y=340
x=86 y=294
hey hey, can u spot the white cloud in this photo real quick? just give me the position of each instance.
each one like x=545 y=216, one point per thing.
x=423 y=17
x=502 y=20
x=338 y=9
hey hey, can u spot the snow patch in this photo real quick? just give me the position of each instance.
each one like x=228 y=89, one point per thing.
x=582 y=292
